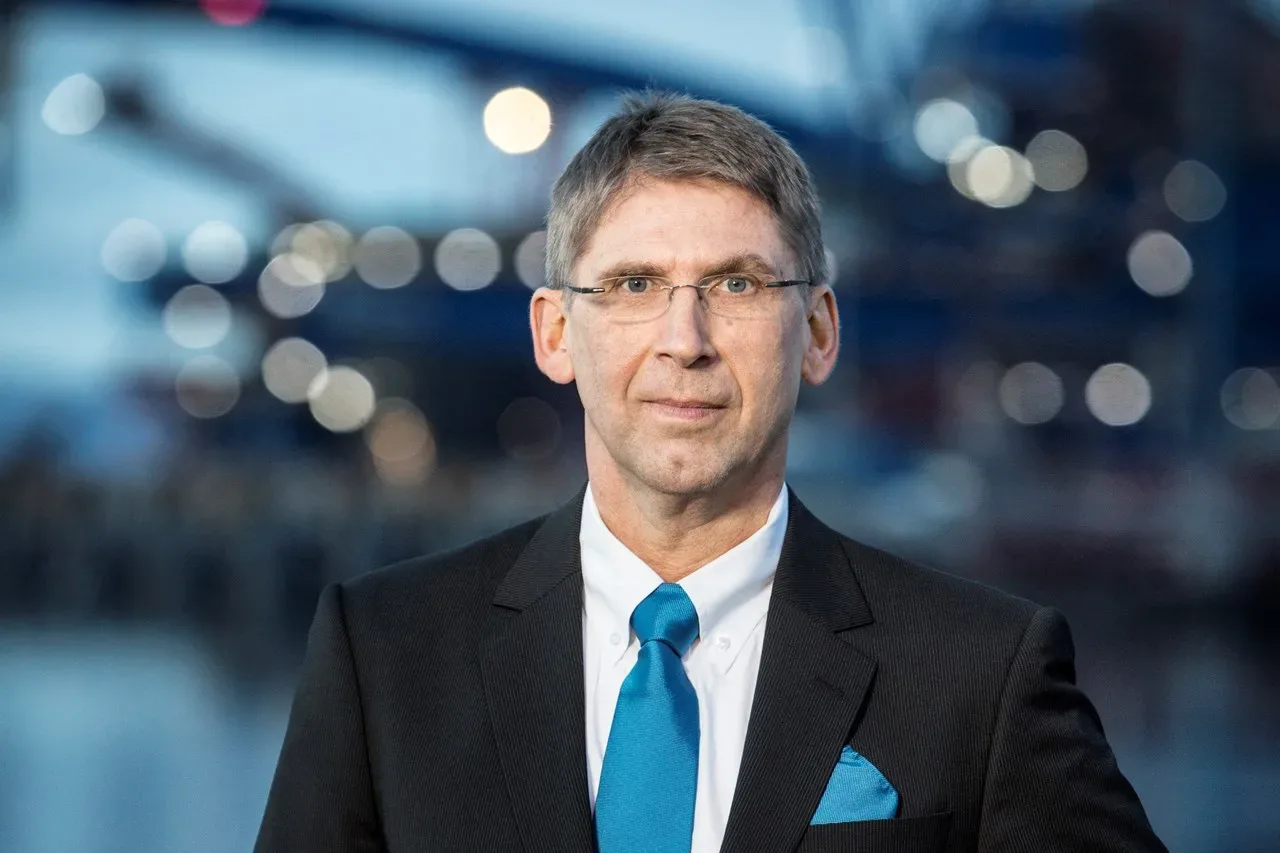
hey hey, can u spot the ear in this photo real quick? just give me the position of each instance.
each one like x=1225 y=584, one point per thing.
x=548 y=322
x=824 y=337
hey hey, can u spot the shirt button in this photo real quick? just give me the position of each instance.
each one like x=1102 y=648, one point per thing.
x=722 y=643
x=615 y=638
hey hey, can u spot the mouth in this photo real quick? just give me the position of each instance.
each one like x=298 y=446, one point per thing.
x=687 y=410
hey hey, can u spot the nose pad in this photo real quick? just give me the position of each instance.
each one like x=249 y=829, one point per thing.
x=699 y=297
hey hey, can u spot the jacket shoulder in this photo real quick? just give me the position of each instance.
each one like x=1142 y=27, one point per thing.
x=904 y=592
x=463 y=577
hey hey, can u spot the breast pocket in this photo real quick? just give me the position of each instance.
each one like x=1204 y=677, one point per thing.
x=916 y=834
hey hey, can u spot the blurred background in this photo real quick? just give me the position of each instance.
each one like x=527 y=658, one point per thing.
x=264 y=273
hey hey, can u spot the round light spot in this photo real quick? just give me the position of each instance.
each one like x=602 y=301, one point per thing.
x=1159 y=264
x=1194 y=192
x=207 y=387
x=529 y=429
x=1251 y=399
x=977 y=392
x=1058 y=160
x=342 y=399
x=282 y=243
x=387 y=257
x=531 y=260
x=1031 y=393
x=290 y=366
x=326 y=244
x=214 y=253
x=133 y=251
x=233 y=13
x=197 y=317
x=400 y=441
x=517 y=120
x=74 y=106
x=291 y=286
x=958 y=163
x=1118 y=395
x=468 y=259
x=940 y=125
x=999 y=177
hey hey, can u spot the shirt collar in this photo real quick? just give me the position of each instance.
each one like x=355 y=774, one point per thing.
x=730 y=593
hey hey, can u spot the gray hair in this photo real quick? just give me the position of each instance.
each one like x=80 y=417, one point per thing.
x=670 y=136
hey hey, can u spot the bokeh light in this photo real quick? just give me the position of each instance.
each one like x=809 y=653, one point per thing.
x=342 y=399
x=207 y=387
x=197 y=317
x=1194 y=192
x=958 y=163
x=517 y=120
x=215 y=252
x=1118 y=395
x=133 y=251
x=325 y=244
x=74 y=106
x=1031 y=393
x=401 y=442
x=233 y=13
x=387 y=257
x=1058 y=161
x=977 y=392
x=529 y=429
x=289 y=368
x=999 y=177
x=940 y=125
x=531 y=259
x=291 y=286
x=468 y=259
x=1251 y=399
x=1160 y=264
x=282 y=243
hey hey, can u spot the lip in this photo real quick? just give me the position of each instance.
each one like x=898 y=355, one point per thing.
x=688 y=410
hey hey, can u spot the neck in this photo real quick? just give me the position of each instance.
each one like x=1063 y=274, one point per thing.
x=677 y=534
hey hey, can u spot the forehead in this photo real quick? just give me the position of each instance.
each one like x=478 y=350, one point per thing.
x=683 y=226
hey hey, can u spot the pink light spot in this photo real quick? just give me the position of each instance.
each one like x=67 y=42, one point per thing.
x=233 y=13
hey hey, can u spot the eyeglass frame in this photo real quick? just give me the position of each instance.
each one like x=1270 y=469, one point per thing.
x=672 y=287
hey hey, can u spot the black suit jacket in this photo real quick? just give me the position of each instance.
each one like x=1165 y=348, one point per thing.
x=441 y=708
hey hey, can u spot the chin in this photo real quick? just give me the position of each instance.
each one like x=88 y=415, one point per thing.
x=684 y=476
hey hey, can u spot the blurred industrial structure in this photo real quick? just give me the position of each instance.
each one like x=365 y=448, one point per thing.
x=1050 y=224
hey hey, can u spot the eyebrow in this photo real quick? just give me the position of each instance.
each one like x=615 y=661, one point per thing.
x=741 y=262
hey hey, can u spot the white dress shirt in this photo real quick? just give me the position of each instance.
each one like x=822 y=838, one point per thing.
x=731 y=596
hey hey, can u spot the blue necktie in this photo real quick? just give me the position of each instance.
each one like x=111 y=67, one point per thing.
x=650 y=775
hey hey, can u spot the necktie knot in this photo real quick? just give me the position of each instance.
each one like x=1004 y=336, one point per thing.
x=668 y=615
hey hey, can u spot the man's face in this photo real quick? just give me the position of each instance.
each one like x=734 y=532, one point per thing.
x=690 y=401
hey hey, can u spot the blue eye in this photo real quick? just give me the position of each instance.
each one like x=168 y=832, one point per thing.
x=738 y=285
x=634 y=284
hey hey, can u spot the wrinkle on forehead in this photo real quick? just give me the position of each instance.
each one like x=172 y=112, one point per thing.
x=640 y=182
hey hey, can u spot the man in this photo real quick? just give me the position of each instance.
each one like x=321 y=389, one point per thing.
x=683 y=657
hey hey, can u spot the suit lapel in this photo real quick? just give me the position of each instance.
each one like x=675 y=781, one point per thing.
x=809 y=690
x=532 y=673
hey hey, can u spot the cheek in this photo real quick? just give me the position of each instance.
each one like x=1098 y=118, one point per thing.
x=768 y=366
x=603 y=364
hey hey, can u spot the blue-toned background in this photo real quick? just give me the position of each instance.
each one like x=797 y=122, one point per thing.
x=264 y=273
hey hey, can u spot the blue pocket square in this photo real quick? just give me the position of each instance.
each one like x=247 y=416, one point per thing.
x=856 y=791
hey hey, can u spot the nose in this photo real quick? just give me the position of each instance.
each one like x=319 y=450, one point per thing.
x=683 y=336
